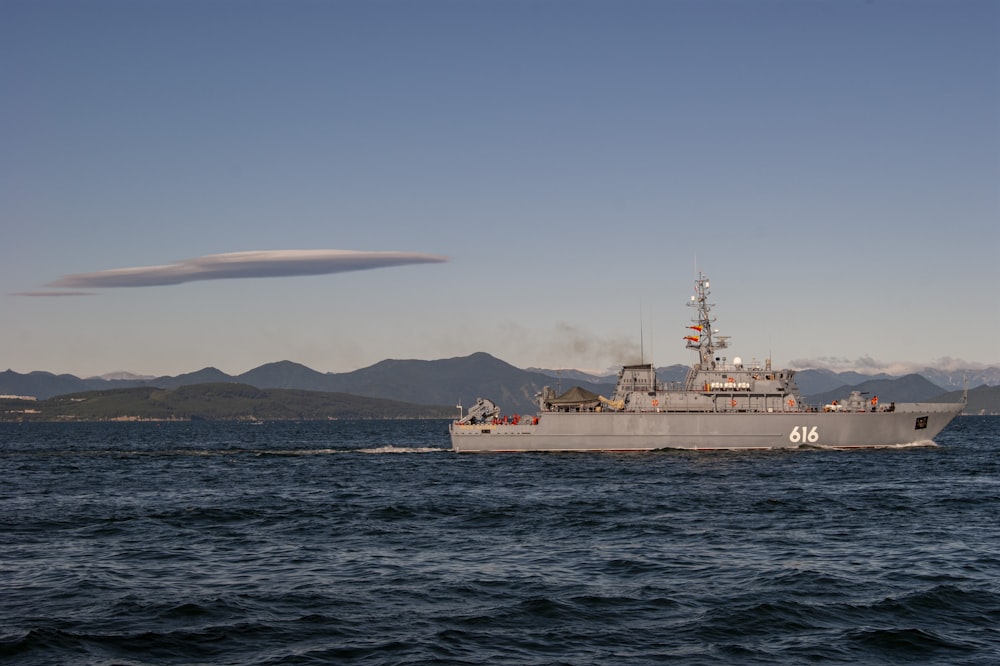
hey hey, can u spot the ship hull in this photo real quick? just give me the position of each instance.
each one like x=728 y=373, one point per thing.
x=909 y=424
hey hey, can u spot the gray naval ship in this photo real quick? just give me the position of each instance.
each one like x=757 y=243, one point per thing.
x=720 y=405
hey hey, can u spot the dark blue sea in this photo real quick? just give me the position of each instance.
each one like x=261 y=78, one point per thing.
x=368 y=542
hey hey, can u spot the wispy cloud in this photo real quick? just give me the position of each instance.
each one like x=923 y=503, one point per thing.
x=869 y=366
x=264 y=263
x=52 y=293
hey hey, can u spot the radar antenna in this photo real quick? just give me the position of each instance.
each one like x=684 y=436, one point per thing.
x=703 y=342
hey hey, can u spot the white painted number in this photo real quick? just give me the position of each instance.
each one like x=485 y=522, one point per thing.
x=804 y=434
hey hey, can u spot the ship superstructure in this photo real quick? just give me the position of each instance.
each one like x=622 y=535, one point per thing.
x=719 y=405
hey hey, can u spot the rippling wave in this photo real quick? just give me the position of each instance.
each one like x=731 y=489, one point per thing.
x=345 y=542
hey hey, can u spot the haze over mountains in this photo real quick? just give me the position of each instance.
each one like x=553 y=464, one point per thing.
x=461 y=380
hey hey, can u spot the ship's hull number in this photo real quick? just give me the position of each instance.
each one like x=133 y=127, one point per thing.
x=804 y=434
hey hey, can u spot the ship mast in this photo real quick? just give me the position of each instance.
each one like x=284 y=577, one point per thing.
x=703 y=342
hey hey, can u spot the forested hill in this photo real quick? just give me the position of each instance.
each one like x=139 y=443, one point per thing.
x=214 y=401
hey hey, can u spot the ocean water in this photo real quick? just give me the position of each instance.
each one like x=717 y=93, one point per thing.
x=370 y=543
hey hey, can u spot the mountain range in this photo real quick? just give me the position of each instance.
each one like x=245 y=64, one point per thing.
x=224 y=401
x=461 y=380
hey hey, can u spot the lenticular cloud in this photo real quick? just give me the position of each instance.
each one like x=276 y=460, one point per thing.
x=265 y=263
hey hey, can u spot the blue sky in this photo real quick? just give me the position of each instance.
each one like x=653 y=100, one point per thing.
x=554 y=173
